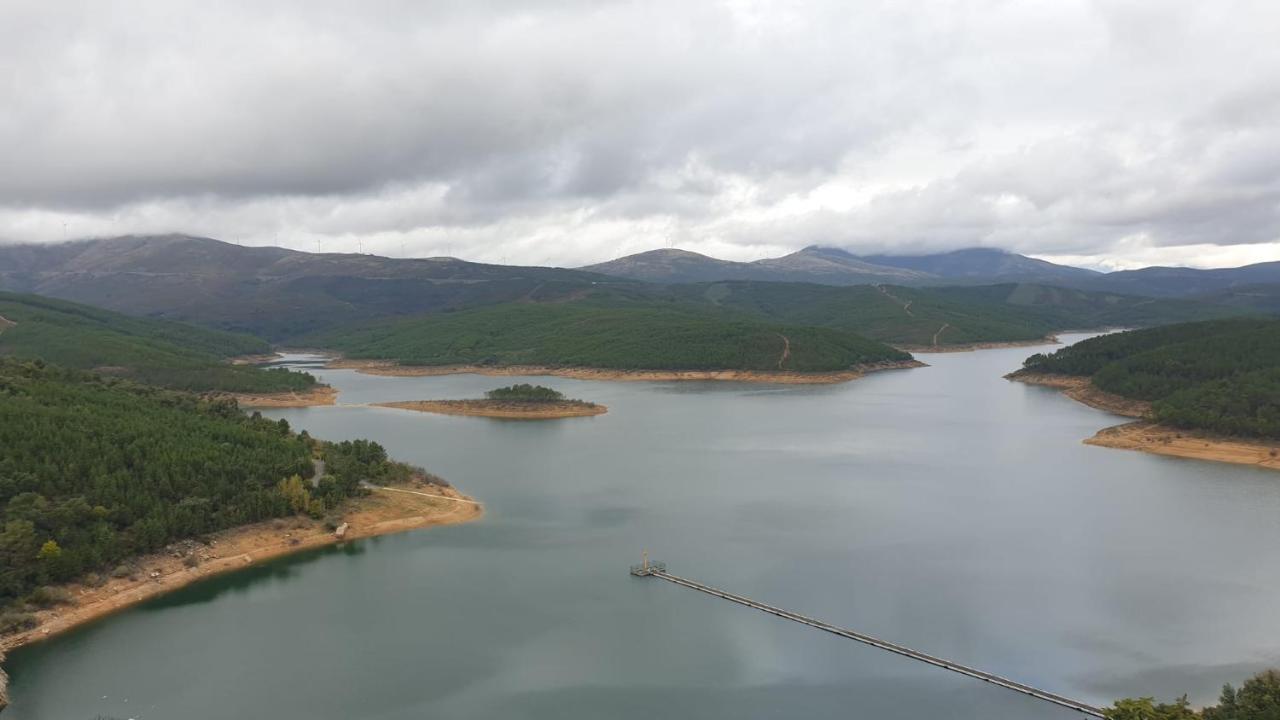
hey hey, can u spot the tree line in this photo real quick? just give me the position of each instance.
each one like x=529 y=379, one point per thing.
x=156 y=352
x=1257 y=699
x=1221 y=375
x=94 y=470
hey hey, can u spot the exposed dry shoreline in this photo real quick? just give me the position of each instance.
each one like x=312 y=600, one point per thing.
x=1082 y=390
x=1161 y=440
x=970 y=347
x=383 y=512
x=254 y=359
x=319 y=395
x=387 y=367
x=504 y=409
x=1147 y=436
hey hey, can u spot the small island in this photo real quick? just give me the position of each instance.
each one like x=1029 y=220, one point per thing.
x=514 y=402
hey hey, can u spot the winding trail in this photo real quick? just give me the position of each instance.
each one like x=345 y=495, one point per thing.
x=786 y=350
x=6 y=323
x=906 y=306
x=935 y=335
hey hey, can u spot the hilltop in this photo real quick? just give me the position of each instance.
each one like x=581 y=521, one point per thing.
x=969 y=266
x=812 y=264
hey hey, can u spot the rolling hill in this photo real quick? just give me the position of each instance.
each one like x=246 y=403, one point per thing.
x=284 y=295
x=971 y=266
x=927 y=317
x=157 y=352
x=812 y=264
x=588 y=334
x=985 y=265
x=265 y=291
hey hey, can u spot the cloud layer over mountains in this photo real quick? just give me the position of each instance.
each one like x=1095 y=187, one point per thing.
x=1107 y=132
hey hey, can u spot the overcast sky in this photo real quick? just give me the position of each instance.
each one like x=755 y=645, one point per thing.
x=1105 y=133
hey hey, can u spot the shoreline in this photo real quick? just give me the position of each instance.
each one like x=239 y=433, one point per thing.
x=1157 y=439
x=1082 y=390
x=385 y=511
x=318 y=396
x=501 y=409
x=971 y=347
x=254 y=359
x=1144 y=435
x=393 y=369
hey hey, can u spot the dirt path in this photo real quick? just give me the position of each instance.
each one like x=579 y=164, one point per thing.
x=906 y=306
x=6 y=323
x=786 y=350
x=935 y=335
x=371 y=486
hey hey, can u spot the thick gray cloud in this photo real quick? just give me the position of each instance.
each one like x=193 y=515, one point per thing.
x=1111 y=132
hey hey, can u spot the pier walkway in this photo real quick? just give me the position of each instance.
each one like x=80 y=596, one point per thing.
x=659 y=570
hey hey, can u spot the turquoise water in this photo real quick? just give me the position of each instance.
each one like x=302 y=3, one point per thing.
x=943 y=508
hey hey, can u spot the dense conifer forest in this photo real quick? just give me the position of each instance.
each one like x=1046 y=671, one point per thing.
x=94 y=470
x=584 y=334
x=159 y=352
x=1221 y=375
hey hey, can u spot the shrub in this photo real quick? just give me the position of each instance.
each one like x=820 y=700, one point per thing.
x=47 y=596
x=16 y=622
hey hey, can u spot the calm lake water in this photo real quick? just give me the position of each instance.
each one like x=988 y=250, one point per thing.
x=943 y=508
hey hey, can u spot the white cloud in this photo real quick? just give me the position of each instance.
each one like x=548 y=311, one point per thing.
x=1114 y=133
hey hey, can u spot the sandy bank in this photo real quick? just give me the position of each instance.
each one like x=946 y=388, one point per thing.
x=1082 y=390
x=383 y=512
x=970 y=347
x=386 y=367
x=1150 y=437
x=1162 y=440
x=319 y=395
x=502 y=408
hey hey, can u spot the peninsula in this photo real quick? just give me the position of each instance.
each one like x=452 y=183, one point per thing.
x=1207 y=391
x=514 y=402
x=201 y=488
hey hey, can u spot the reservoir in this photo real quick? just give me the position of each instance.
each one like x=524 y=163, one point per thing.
x=943 y=508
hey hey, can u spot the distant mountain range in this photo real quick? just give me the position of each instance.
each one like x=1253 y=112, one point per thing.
x=973 y=266
x=265 y=291
x=278 y=294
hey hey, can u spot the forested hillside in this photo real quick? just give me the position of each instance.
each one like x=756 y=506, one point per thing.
x=948 y=315
x=158 y=352
x=284 y=295
x=1222 y=376
x=585 y=334
x=94 y=470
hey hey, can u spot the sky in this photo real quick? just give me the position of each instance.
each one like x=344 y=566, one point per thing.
x=1105 y=133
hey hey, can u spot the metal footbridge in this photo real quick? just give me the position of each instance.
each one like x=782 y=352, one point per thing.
x=659 y=570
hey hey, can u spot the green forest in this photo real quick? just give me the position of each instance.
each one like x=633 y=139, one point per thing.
x=1222 y=375
x=524 y=392
x=586 y=334
x=94 y=470
x=158 y=352
x=1257 y=699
